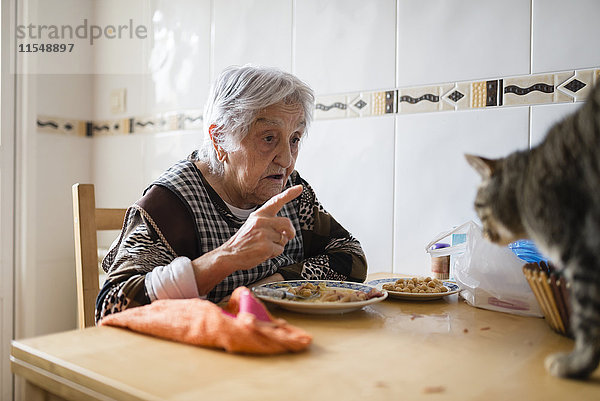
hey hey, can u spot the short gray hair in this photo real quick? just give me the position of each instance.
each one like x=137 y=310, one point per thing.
x=235 y=99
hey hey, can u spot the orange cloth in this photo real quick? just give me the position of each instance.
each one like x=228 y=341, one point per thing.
x=243 y=326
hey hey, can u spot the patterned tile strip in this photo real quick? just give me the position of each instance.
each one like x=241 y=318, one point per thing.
x=558 y=87
x=579 y=84
x=162 y=122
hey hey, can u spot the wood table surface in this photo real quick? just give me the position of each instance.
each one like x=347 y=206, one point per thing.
x=429 y=350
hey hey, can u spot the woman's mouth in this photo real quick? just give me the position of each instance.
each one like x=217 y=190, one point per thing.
x=275 y=177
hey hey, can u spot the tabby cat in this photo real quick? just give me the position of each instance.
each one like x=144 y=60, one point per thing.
x=551 y=194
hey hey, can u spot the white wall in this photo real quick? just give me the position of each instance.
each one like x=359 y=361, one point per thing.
x=393 y=181
x=47 y=166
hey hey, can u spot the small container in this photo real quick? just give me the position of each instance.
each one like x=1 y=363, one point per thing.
x=440 y=266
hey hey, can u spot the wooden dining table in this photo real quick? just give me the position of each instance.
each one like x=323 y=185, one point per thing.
x=441 y=349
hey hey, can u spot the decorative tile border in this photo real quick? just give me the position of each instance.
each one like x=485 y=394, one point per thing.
x=63 y=126
x=171 y=121
x=557 y=87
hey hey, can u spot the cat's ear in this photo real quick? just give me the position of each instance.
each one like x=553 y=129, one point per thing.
x=485 y=167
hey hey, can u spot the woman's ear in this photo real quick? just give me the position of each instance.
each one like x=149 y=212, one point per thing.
x=221 y=154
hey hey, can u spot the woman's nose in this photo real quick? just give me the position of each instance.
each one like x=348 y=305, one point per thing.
x=283 y=157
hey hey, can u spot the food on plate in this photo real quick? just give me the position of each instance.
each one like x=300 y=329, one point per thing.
x=416 y=285
x=322 y=293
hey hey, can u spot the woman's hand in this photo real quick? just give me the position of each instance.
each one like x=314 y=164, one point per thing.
x=263 y=236
x=271 y=279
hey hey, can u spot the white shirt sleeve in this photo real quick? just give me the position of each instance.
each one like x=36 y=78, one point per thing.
x=173 y=281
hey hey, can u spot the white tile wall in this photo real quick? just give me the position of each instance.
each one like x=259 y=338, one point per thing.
x=79 y=59
x=163 y=150
x=137 y=92
x=55 y=299
x=118 y=169
x=545 y=116
x=69 y=96
x=435 y=187
x=350 y=164
x=252 y=31
x=562 y=33
x=176 y=67
x=130 y=52
x=55 y=162
x=345 y=45
x=179 y=59
x=61 y=161
x=441 y=41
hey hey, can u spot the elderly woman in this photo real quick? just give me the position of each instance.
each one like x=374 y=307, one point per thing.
x=235 y=213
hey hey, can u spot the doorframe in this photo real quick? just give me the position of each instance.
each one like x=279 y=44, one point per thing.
x=7 y=194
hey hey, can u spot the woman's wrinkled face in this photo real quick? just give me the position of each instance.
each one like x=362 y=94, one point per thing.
x=259 y=169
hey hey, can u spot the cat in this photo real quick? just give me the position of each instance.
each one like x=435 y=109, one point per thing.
x=551 y=195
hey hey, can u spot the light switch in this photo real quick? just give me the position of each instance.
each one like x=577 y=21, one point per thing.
x=118 y=101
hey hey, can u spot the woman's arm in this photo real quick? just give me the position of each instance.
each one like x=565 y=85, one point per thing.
x=130 y=263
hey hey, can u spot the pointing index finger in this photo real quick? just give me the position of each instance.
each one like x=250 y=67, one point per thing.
x=274 y=205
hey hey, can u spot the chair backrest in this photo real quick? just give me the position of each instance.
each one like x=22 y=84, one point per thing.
x=87 y=220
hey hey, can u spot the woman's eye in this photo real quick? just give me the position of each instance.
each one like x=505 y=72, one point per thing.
x=296 y=138
x=269 y=138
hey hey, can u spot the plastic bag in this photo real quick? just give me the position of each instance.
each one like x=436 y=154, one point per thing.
x=454 y=249
x=526 y=250
x=491 y=277
x=457 y=238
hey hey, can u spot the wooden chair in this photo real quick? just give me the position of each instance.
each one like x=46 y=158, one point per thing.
x=87 y=220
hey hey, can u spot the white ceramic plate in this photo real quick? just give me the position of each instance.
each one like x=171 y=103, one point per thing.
x=317 y=307
x=452 y=289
